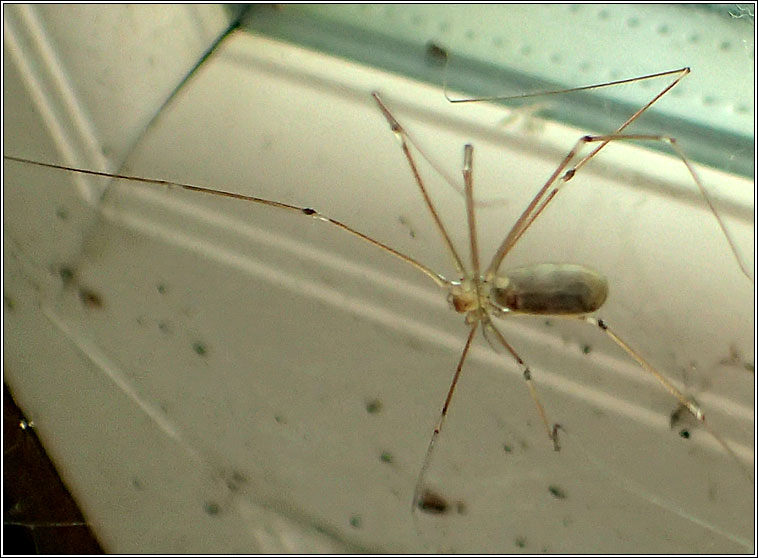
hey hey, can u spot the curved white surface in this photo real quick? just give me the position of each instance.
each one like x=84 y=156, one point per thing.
x=205 y=381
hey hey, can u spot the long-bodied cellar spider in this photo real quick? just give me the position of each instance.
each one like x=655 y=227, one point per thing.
x=209 y=350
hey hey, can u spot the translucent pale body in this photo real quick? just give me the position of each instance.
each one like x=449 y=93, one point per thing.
x=550 y=288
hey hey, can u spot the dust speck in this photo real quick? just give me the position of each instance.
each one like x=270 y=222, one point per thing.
x=212 y=508
x=90 y=298
x=236 y=481
x=435 y=54
x=557 y=492
x=432 y=503
x=373 y=406
x=66 y=274
x=199 y=348
x=406 y=224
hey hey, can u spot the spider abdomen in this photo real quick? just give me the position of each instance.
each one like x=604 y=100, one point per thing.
x=549 y=288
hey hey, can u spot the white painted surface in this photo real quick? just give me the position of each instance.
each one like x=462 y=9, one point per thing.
x=264 y=441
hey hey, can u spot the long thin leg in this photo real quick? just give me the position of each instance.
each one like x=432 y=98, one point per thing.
x=468 y=182
x=679 y=73
x=437 y=278
x=684 y=401
x=544 y=197
x=468 y=163
x=526 y=218
x=682 y=71
x=402 y=137
x=531 y=212
x=438 y=428
x=552 y=430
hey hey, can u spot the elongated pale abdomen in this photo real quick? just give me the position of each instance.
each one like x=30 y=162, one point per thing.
x=551 y=289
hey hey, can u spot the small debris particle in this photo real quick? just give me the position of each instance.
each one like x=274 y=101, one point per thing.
x=557 y=492
x=199 y=348
x=460 y=507
x=520 y=542
x=280 y=419
x=212 y=508
x=61 y=213
x=386 y=457
x=356 y=521
x=235 y=481
x=436 y=55
x=66 y=273
x=682 y=419
x=508 y=448
x=321 y=529
x=373 y=406
x=432 y=503
x=161 y=288
x=712 y=492
x=405 y=223
x=9 y=303
x=586 y=349
x=90 y=298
